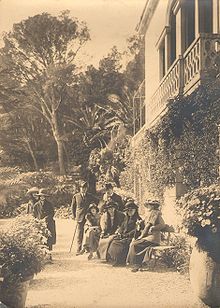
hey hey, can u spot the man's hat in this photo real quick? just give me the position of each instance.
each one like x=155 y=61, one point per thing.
x=154 y=203
x=83 y=183
x=43 y=192
x=32 y=190
x=130 y=205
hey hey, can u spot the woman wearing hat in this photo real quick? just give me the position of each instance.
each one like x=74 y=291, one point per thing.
x=43 y=209
x=110 y=222
x=119 y=247
x=33 y=198
x=92 y=230
x=150 y=236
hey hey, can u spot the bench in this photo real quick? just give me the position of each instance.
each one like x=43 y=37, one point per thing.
x=156 y=251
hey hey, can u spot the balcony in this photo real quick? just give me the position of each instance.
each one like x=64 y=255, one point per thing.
x=185 y=74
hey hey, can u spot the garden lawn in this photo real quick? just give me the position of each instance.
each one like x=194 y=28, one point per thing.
x=75 y=282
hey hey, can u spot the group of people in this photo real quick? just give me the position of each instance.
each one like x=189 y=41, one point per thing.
x=39 y=207
x=113 y=229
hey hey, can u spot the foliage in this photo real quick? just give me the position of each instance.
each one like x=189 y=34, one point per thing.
x=39 y=61
x=22 y=248
x=183 y=143
x=108 y=162
x=200 y=211
x=63 y=212
x=179 y=256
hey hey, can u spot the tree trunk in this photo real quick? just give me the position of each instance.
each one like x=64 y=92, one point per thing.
x=36 y=168
x=59 y=142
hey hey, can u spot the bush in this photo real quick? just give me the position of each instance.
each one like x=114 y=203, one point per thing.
x=179 y=256
x=23 y=248
x=63 y=212
x=200 y=211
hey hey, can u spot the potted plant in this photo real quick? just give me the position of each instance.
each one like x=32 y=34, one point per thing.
x=22 y=254
x=200 y=211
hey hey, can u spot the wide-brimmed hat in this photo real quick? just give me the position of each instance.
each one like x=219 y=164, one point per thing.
x=83 y=183
x=153 y=203
x=32 y=190
x=93 y=206
x=43 y=192
x=111 y=204
x=130 y=205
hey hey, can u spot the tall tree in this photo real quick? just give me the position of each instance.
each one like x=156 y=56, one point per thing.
x=39 y=54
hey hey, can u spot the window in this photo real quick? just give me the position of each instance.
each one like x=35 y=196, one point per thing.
x=172 y=38
x=205 y=16
x=189 y=24
x=162 y=59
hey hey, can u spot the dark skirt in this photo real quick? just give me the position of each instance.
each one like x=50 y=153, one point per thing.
x=51 y=226
x=138 y=251
x=118 y=250
x=103 y=247
x=91 y=239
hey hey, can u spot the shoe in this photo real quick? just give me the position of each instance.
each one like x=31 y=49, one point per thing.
x=135 y=269
x=78 y=253
x=90 y=256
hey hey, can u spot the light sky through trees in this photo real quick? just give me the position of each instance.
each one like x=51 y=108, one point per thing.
x=110 y=22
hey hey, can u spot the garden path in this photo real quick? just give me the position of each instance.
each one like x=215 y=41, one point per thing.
x=74 y=282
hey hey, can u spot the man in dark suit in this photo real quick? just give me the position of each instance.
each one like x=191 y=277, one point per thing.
x=80 y=204
x=110 y=195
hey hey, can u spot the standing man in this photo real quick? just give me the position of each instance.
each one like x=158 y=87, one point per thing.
x=110 y=195
x=80 y=204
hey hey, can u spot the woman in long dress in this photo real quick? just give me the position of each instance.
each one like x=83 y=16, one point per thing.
x=119 y=247
x=92 y=230
x=150 y=236
x=111 y=220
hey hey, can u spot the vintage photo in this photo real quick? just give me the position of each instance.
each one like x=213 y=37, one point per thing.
x=109 y=153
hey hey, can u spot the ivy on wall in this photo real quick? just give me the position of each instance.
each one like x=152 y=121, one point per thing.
x=185 y=140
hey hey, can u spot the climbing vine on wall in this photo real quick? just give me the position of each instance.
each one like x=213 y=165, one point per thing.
x=184 y=140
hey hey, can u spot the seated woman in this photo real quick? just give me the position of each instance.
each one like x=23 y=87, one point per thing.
x=119 y=247
x=92 y=230
x=110 y=222
x=150 y=236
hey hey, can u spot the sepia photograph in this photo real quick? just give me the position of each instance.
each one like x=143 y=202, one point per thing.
x=110 y=154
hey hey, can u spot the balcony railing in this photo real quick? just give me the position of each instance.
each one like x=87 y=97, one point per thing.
x=186 y=73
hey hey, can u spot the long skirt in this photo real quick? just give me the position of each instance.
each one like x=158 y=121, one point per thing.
x=118 y=251
x=103 y=247
x=91 y=239
x=51 y=226
x=139 y=251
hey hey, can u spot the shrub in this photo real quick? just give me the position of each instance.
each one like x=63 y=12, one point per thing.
x=200 y=211
x=63 y=212
x=179 y=256
x=23 y=248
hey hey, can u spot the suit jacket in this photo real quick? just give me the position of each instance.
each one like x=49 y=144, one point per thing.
x=108 y=227
x=80 y=205
x=114 y=197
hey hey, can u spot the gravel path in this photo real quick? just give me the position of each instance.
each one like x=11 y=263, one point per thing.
x=74 y=282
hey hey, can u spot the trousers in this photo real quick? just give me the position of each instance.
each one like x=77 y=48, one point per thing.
x=79 y=234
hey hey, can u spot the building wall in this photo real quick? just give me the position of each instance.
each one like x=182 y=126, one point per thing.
x=152 y=70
